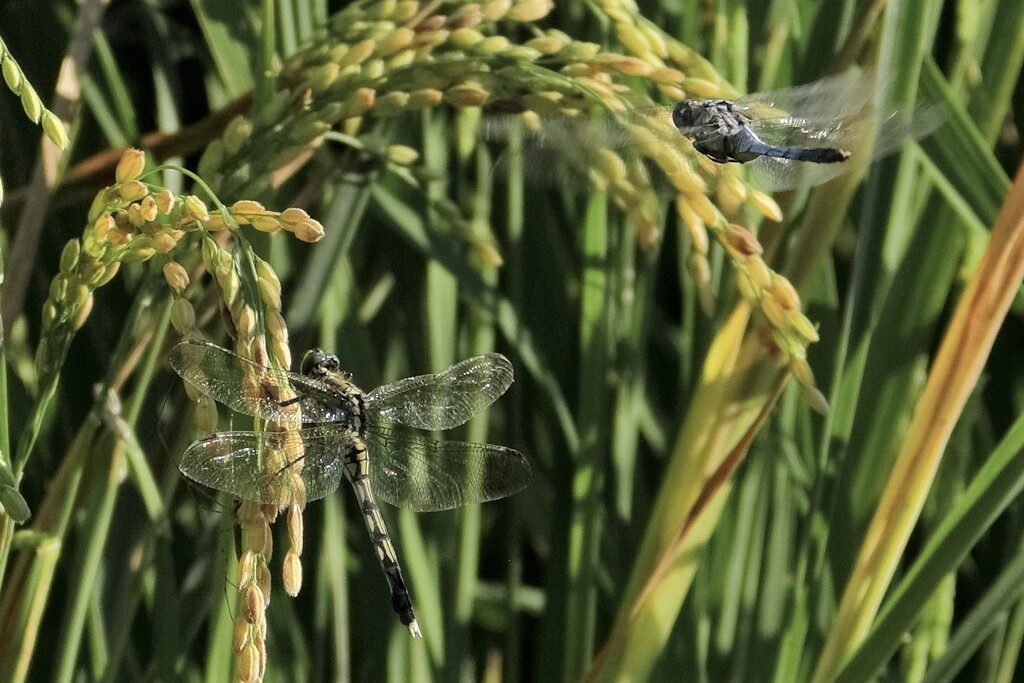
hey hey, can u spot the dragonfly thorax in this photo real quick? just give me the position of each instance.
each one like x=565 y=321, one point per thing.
x=718 y=130
x=703 y=117
x=342 y=402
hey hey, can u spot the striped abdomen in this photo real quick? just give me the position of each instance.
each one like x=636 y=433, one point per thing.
x=383 y=548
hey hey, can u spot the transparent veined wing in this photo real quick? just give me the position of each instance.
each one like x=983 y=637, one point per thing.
x=817 y=103
x=445 y=399
x=568 y=134
x=838 y=112
x=596 y=146
x=263 y=466
x=776 y=175
x=414 y=471
x=866 y=138
x=252 y=389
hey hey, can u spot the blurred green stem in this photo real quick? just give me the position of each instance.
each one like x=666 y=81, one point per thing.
x=586 y=519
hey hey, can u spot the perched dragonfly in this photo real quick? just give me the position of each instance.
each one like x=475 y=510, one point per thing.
x=340 y=431
x=795 y=137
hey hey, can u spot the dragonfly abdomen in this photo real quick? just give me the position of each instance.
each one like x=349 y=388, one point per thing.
x=356 y=469
x=817 y=155
x=747 y=146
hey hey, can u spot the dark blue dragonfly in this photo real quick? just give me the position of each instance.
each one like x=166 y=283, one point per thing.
x=795 y=137
x=805 y=135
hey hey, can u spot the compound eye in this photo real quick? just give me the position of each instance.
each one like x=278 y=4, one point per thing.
x=311 y=362
x=346 y=375
x=683 y=114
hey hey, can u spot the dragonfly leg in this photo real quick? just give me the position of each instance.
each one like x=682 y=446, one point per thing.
x=712 y=152
x=356 y=469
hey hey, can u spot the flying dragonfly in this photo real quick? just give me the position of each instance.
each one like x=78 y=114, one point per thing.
x=801 y=136
x=337 y=430
x=795 y=137
x=721 y=131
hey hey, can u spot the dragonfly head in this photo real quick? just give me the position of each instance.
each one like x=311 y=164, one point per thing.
x=317 y=363
x=684 y=114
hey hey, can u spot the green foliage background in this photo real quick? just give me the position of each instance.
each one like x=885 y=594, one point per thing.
x=124 y=570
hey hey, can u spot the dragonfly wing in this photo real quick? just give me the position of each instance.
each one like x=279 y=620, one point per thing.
x=263 y=466
x=323 y=458
x=598 y=146
x=252 y=389
x=578 y=136
x=446 y=399
x=793 y=131
x=834 y=97
x=775 y=175
x=413 y=471
x=866 y=139
x=840 y=111
x=898 y=127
